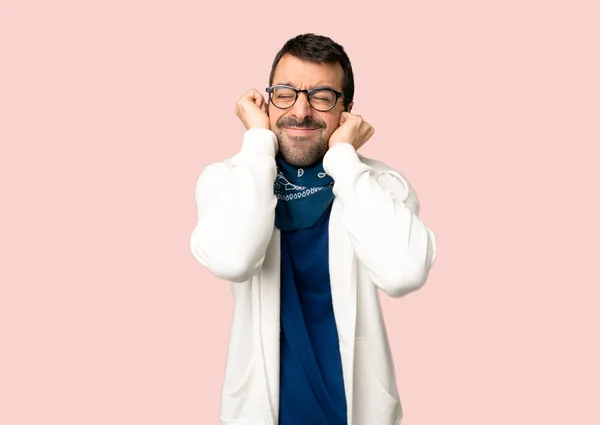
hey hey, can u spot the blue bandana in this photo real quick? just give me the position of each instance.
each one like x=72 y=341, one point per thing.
x=303 y=194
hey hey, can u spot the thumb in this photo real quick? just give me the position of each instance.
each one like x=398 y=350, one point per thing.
x=258 y=99
x=344 y=117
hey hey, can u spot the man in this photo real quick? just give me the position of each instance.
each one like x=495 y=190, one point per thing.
x=307 y=231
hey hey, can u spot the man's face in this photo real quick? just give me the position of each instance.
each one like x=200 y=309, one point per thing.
x=303 y=132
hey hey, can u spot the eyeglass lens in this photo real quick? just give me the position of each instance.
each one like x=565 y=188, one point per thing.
x=322 y=99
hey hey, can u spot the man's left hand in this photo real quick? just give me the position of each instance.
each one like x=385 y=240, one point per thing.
x=353 y=129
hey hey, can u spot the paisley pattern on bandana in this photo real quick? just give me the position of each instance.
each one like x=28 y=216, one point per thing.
x=287 y=191
x=303 y=194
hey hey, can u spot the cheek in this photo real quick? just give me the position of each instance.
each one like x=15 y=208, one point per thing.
x=333 y=123
x=273 y=117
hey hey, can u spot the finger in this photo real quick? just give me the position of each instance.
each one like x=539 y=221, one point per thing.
x=344 y=116
x=255 y=97
x=248 y=96
x=252 y=95
x=259 y=100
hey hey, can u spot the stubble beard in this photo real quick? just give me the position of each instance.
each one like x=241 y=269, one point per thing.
x=302 y=151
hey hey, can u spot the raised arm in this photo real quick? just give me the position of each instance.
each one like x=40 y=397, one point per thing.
x=380 y=213
x=236 y=203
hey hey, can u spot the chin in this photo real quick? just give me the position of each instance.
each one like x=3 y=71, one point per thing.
x=302 y=151
x=300 y=157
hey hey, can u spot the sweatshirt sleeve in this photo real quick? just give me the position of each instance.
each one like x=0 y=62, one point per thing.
x=236 y=209
x=380 y=213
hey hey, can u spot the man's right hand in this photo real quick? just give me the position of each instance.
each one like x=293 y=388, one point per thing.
x=251 y=109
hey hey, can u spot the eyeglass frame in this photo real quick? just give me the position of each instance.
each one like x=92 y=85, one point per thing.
x=308 y=92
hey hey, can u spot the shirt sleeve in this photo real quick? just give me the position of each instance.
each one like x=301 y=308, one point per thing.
x=236 y=209
x=380 y=213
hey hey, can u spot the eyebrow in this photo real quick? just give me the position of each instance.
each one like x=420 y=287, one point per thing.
x=318 y=87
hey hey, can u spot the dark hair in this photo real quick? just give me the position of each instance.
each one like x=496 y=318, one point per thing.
x=319 y=49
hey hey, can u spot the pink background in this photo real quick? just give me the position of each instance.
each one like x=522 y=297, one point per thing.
x=110 y=110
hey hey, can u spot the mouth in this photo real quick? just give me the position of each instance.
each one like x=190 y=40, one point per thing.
x=299 y=130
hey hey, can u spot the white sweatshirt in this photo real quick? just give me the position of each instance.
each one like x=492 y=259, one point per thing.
x=376 y=241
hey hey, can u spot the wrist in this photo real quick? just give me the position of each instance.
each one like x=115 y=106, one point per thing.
x=339 y=142
x=264 y=126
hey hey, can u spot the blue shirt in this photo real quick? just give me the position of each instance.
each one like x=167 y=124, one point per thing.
x=311 y=380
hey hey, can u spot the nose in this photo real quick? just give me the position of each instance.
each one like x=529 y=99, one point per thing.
x=301 y=108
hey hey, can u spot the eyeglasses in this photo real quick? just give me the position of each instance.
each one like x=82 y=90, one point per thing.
x=321 y=99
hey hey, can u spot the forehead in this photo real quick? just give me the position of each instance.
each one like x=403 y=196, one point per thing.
x=305 y=74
